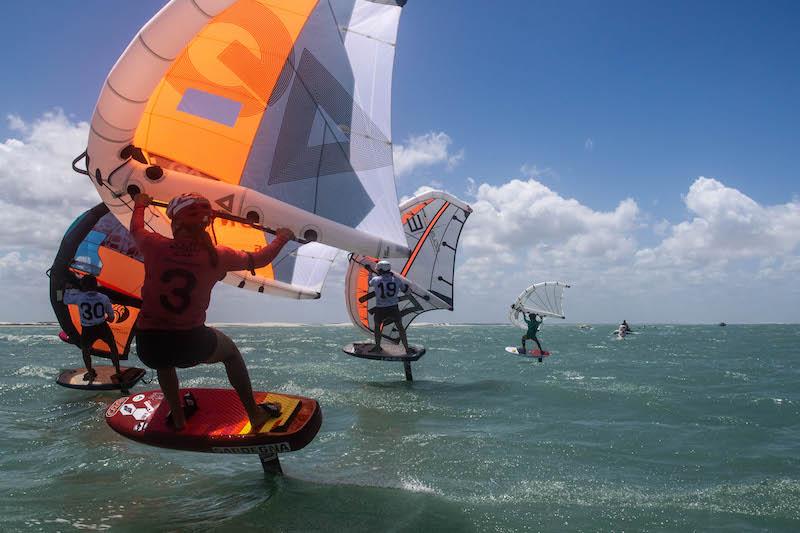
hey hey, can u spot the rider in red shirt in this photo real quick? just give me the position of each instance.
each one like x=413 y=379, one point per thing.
x=179 y=275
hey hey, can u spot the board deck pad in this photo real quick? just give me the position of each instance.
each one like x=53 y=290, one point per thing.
x=529 y=353
x=391 y=351
x=220 y=424
x=73 y=378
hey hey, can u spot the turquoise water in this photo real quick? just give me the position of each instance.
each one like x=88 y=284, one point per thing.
x=678 y=428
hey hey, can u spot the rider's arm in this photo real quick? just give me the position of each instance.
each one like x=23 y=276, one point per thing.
x=137 y=228
x=232 y=260
x=137 y=219
x=265 y=255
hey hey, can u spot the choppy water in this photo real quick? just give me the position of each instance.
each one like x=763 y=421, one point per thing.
x=678 y=428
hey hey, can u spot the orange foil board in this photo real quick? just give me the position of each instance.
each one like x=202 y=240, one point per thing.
x=219 y=425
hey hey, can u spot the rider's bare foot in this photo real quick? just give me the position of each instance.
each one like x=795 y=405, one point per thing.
x=264 y=413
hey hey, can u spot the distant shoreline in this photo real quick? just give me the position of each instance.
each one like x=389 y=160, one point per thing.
x=18 y=324
x=427 y=324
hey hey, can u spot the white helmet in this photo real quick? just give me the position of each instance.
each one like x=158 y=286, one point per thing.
x=384 y=266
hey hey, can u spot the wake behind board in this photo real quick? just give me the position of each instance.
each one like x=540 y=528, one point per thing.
x=73 y=378
x=220 y=424
x=530 y=353
x=390 y=351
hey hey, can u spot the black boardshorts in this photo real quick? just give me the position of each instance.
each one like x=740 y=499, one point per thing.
x=381 y=315
x=159 y=348
x=101 y=331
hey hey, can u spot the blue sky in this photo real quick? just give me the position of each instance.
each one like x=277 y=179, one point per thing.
x=607 y=100
x=666 y=91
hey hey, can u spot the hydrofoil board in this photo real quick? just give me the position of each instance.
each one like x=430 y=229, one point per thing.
x=389 y=351
x=219 y=425
x=530 y=353
x=73 y=378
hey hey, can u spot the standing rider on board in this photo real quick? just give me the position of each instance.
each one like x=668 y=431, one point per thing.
x=96 y=311
x=387 y=287
x=179 y=275
x=533 y=321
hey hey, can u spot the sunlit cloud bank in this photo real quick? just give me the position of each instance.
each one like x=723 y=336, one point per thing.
x=725 y=226
x=41 y=194
x=729 y=255
x=730 y=246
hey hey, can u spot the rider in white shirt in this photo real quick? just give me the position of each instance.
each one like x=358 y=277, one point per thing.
x=387 y=289
x=94 y=309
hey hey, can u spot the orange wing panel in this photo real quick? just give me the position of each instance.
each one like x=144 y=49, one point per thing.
x=242 y=237
x=236 y=60
x=362 y=288
x=121 y=273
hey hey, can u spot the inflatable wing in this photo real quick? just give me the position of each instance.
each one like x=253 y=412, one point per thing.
x=433 y=222
x=278 y=111
x=544 y=299
x=99 y=245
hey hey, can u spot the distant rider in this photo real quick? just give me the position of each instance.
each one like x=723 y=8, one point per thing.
x=95 y=310
x=624 y=328
x=533 y=321
x=387 y=288
x=179 y=275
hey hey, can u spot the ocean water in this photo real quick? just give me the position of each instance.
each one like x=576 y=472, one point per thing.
x=677 y=428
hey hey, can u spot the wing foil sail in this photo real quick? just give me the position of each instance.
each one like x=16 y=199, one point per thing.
x=545 y=299
x=97 y=244
x=432 y=222
x=278 y=111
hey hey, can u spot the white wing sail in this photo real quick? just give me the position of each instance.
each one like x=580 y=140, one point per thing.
x=545 y=299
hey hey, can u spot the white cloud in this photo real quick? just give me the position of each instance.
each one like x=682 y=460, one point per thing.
x=40 y=196
x=743 y=253
x=532 y=171
x=39 y=193
x=726 y=225
x=588 y=145
x=661 y=227
x=427 y=150
x=528 y=217
x=15 y=123
x=523 y=231
x=18 y=270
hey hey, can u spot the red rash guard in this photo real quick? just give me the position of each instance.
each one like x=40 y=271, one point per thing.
x=179 y=275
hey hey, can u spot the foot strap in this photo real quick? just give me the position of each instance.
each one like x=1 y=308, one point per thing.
x=274 y=409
